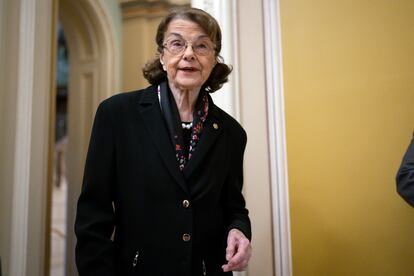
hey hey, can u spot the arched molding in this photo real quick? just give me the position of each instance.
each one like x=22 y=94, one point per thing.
x=91 y=39
x=94 y=75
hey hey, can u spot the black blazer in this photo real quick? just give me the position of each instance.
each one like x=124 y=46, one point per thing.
x=405 y=175
x=167 y=222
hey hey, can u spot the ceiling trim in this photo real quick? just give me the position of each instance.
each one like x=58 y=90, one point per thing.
x=147 y=8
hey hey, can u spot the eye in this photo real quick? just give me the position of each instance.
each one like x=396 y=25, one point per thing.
x=201 y=45
x=176 y=43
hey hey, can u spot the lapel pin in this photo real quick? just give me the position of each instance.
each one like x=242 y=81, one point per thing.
x=215 y=126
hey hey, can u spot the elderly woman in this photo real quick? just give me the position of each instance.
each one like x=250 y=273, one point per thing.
x=162 y=189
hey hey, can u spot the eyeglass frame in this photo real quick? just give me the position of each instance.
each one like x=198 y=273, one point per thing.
x=187 y=43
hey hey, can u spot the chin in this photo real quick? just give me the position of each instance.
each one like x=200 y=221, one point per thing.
x=189 y=85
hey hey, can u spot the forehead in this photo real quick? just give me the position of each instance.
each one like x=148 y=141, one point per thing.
x=185 y=28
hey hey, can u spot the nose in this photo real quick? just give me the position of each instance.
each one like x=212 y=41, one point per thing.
x=189 y=52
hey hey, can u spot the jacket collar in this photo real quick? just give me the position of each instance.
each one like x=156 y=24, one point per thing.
x=154 y=122
x=150 y=112
x=212 y=129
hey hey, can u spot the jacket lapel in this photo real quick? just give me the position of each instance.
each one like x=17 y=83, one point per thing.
x=154 y=122
x=213 y=127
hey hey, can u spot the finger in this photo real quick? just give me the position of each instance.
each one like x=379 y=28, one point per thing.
x=232 y=242
x=231 y=247
x=235 y=267
x=240 y=260
x=230 y=267
x=226 y=268
x=237 y=259
x=242 y=266
x=243 y=252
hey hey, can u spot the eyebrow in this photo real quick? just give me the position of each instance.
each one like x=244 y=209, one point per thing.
x=180 y=36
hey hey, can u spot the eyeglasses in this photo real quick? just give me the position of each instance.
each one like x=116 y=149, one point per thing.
x=177 y=46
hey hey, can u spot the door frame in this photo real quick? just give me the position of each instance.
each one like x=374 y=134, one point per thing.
x=94 y=76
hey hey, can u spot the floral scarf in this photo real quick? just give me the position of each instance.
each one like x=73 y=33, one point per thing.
x=172 y=118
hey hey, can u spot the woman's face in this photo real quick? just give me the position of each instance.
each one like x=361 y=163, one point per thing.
x=188 y=55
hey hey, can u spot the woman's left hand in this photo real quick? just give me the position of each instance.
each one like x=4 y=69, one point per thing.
x=238 y=251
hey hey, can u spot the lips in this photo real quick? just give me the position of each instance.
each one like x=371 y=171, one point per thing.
x=188 y=69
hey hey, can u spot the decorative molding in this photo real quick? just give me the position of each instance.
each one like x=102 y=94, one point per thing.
x=149 y=2
x=277 y=140
x=108 y=38
x=148 y=9
x=140 y=11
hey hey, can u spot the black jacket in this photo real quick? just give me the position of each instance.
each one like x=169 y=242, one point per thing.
x=405 y=175
x=168 y=222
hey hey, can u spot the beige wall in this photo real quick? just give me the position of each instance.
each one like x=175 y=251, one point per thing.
x=349 y=91
x=138 y=47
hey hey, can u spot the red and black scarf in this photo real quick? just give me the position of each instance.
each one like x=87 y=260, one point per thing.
x=173 y=120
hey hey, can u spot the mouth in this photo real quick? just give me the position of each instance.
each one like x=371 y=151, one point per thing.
x=188 y=69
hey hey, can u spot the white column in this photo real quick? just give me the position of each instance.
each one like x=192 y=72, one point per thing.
x=30 y=149
x=20 y=205
x=227 y=97
x=277 y=140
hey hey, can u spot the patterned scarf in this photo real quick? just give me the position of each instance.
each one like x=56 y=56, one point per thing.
x=173 y=120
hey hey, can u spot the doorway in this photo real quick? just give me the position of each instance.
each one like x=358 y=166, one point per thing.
x=86 y=39
x=60 y=184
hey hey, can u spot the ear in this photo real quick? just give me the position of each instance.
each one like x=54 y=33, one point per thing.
x=162 y=62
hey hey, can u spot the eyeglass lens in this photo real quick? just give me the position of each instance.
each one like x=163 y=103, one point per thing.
x=177 y=45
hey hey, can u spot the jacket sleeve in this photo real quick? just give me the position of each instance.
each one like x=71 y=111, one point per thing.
x=237 y=213
x=405 y=175
x=94 y=224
